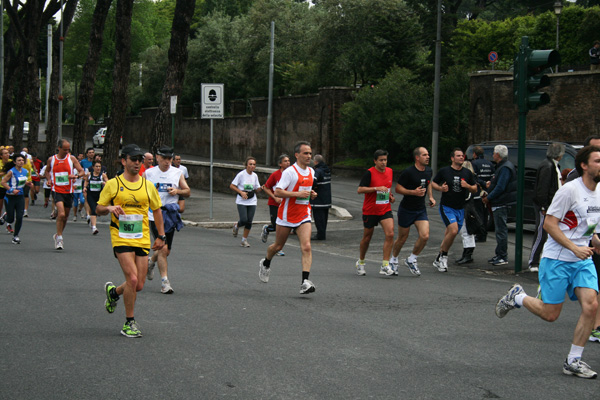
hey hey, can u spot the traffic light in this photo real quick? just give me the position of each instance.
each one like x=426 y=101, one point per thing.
x=529 y=76
x=537 y=62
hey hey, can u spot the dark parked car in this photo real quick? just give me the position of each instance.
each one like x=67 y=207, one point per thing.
x=535 y=153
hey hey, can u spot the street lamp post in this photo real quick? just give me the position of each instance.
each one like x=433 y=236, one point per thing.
x=557 y=10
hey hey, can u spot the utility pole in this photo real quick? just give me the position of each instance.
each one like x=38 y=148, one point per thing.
x=436 y=91
x=270 y=106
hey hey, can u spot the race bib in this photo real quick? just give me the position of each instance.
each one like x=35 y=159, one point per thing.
x=95 y=186
x=61 y=178
x=163 y=187
x=131 y=226
x=21 y=180
x=382 y=197
x=248 y=187
x=303 y=200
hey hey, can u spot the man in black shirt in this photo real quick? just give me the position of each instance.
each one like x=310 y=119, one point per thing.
x=413 y=184
x=453 y=181
x=595 y=56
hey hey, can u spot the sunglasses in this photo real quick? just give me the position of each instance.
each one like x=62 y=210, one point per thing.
x=136 y=158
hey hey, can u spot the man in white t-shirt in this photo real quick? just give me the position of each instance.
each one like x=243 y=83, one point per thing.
x=171 y=185
x=295 y=188
x=571 y=221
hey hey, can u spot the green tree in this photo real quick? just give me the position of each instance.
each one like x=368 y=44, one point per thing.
x=361 y=39
x=395 y=115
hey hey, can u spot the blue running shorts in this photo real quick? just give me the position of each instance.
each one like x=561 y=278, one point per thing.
x=452 y=215
x=557 y=277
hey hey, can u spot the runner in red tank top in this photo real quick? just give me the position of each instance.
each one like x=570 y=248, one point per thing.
x=377 y=209
x=295 y=188
x=60 y=173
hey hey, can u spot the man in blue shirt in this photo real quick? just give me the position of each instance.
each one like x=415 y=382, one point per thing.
x=502 y=192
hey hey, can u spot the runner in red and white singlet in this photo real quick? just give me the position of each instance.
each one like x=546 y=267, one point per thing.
x=60 y=174
x=295 y=188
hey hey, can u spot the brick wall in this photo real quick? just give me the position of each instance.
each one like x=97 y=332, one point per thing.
x=571 y=115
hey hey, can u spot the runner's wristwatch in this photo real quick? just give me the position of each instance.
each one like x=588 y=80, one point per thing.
x=162 y=237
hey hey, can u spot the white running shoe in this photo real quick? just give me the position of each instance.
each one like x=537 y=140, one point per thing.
x=265 y=233
x=441 y=264
x=235 y=229
x=507 y=302
x=166 y=287
x=150 y=273
x=25 y=214
x=82 y=213
x=412 y=267
x=16 y=240
x=263 y=272
x=307 y=287
x=245 y=243
x=579 y=368
x=387 y=270
x=280 y=253
x=75 y=218
x=394 y=265
x=94 y=230
x=360 y=269
x=58 y=243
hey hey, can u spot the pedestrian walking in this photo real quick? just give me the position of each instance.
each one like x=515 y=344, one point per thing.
x=566 y=266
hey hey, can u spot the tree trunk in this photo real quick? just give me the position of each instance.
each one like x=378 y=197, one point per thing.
x=86 y=88
x=178 y=57
x=53 y=117
x=121 y=69
x=20 y=107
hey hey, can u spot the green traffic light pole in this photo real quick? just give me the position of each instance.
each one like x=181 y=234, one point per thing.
x=523 y=109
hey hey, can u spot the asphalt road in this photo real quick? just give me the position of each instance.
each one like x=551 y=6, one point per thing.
x=224 y=334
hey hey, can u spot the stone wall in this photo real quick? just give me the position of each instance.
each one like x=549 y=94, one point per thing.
x=571 y=115
x=314 y=118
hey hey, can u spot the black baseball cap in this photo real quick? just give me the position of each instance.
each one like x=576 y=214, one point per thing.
x=165 y=151
x=131 y=150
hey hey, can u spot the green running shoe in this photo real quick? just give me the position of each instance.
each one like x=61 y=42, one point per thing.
x=595 y=335
x=110 y=302
x=130 y=329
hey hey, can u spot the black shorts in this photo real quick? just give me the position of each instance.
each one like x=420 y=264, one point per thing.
x=168 y=234
x=139 y=251
x=65 y=198
x=406 y=218
x=2 y=192
x=371 y=221
x=47 y=192
x=26 y=191
x=36 y=183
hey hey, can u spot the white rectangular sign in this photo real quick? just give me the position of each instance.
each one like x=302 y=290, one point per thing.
x=213 y=104
x=173 y=104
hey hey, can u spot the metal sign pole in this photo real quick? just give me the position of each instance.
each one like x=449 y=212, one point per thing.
x=211 y=170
